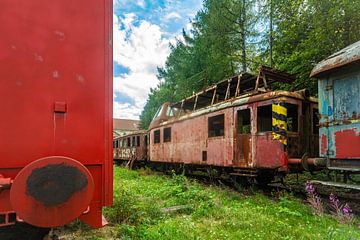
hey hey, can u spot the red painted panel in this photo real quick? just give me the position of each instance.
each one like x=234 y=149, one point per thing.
x=56 y=85
x=269 y=153
x=323 y=146
x=347 y=144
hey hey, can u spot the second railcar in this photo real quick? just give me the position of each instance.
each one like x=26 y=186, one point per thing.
x=131 y=147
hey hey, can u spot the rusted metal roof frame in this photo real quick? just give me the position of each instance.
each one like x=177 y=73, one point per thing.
x=345 y=56
x=233 y=102
x=236 y=86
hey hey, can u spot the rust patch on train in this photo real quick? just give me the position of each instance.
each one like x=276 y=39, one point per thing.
x=54 y=184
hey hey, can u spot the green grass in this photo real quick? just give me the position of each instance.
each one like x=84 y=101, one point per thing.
x=211 y=213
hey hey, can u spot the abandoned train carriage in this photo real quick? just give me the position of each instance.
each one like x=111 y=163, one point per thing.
x=239 y=126
x=339 y=107
x=133 y=146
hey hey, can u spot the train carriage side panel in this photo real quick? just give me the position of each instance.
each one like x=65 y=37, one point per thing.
x=56 y=99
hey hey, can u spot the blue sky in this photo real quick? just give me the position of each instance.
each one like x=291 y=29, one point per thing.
x=143 y=30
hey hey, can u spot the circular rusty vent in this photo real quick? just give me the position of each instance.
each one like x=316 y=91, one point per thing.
x=52 y=191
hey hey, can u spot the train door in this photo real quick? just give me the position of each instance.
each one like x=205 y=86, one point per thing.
x=243 y=137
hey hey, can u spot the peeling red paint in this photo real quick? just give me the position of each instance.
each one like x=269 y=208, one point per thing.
x=323 y=145
x=347 y=144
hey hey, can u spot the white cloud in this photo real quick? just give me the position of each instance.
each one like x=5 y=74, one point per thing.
x=172 y=15
x=140 y=3
x=141 y=48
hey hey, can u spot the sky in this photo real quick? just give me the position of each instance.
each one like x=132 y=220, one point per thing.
x=143 y=30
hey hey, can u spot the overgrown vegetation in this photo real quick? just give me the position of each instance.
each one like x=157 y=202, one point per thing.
x=231 y=36
x=210 y=212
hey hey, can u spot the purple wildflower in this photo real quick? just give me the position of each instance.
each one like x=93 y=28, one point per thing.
x=310 y=189
x=342 y=212
x=314 y=199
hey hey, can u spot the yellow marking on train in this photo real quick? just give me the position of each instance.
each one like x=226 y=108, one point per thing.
x=279 y=123
x=280 y=138
x=279 y=109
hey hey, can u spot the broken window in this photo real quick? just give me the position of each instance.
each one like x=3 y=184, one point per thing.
x=133 y=142
x=292 y=117
x=138 y=141
x=216 y=126
x=243 y=121
x=315 y=121
x=128 y=142
x=264 y=118
x=157 y=136
x=146 y=140
x=167 y=134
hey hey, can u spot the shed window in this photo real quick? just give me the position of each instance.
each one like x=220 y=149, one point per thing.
x=243 y=121
x=264 y=118
x=138 y=141
x=292 y=117
x=167 y=134
x=157 y=136
x=216 y=126
x=128 y=142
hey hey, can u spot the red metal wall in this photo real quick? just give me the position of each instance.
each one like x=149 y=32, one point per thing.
x=53 y=52
x=190 y=137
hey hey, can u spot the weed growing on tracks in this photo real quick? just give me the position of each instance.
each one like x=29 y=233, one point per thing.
x=314 y=199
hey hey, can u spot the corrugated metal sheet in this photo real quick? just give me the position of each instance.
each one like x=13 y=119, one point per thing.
x=348 y=55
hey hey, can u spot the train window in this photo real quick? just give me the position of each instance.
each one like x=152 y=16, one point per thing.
x=167 y=134
x=129 y=142
x=138 y=141
x=216 y=126
x=157 y=136
x=133 y=141
x=315 y=121
x=243 y=121
x=264 y=118
x=292 y=117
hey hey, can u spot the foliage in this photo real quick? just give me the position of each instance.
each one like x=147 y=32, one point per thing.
x=213 y=213
x=232 y=36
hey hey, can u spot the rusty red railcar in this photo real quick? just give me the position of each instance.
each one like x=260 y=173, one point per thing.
x=238 y=126
x=131 y=147
x=56 y=108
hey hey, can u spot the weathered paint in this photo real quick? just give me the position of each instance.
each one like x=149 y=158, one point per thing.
x=339 y=87
x=339 y=111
